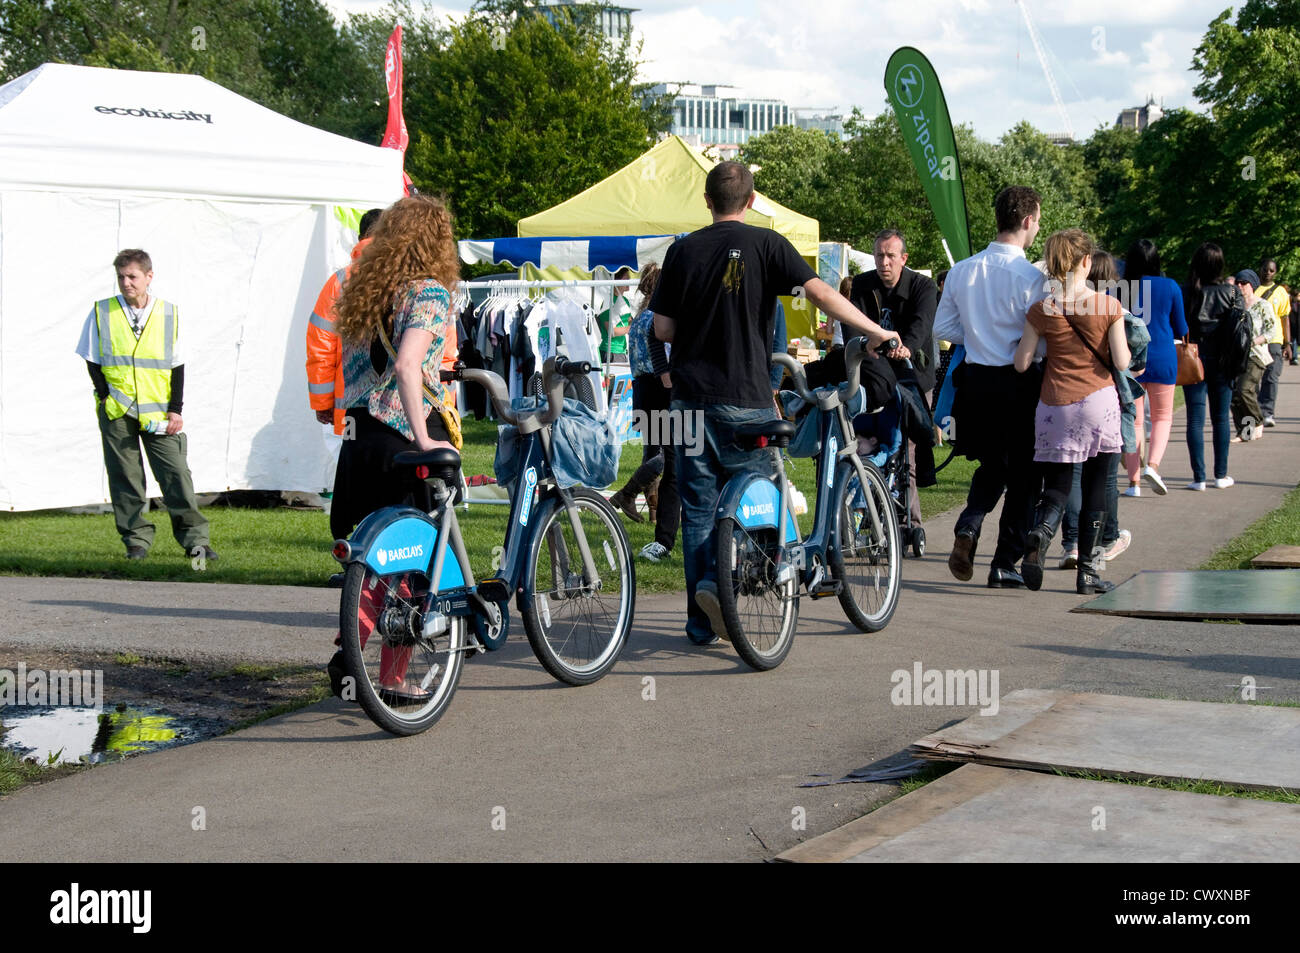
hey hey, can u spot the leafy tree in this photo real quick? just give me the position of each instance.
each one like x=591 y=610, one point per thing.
x=1229 y=177
x=288 y=55
x=508 y=121
x=315 y=74
x=1250 y=70
x=1025 y=156
x=1177 y=172
x=792 y=165
x=869 y=183
x=1108 y=158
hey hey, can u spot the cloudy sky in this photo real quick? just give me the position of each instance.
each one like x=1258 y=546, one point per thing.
x=1105 y=55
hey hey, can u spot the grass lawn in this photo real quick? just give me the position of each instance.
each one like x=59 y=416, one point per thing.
x=291 y=547
x=1282 y=526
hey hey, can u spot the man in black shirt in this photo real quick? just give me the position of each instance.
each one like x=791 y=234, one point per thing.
x=715 y=302
x=897 y=298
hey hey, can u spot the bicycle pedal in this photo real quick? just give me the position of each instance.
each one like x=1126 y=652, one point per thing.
x=493 y=590
x=828 y=587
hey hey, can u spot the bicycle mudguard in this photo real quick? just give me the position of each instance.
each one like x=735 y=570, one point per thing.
x=751 y=501
x=402 y=539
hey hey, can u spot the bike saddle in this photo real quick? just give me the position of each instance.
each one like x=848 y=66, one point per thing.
x=765 y=433
x=441 y=461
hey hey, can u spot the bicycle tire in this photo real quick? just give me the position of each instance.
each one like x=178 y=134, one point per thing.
x=370 y=605
x=868 y=604
x=760 y=619
x=578 y=633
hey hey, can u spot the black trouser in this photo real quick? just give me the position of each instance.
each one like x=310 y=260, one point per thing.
x=649 y=395
x=994 y=414
x=1057 y=478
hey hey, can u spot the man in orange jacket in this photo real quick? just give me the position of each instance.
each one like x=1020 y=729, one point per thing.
x=324 y=353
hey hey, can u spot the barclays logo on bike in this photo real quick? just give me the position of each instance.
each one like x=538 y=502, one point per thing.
x=406 y=552
x=530 y=484
x=757 y=509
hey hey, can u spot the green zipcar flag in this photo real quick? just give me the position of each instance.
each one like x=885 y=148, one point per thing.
x=918 y=102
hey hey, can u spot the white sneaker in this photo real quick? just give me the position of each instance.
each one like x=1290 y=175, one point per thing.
x=1270 y=422
x=1199 y=486
x=1117 y=548
x=1151 y=476
x=1069 y=558
x=1133 y=490
x=654 y=551
x=1257 y=434
x=1222 y=483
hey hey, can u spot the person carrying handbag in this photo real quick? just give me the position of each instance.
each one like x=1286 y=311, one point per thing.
x=1158 y=302
x=1078 y=416
x=1208 y=298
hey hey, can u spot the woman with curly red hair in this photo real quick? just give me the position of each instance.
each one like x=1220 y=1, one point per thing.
x=401 y=285
x=394 y=319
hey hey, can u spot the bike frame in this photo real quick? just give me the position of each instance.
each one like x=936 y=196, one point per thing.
x=760 y=502
x=404 y=539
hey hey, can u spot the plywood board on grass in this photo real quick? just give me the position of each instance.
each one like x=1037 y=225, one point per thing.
x=1278 y=557
x=980 y=813
x=1253 y=746
x=1230 y=594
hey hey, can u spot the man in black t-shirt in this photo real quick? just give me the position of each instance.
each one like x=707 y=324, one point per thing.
x=715 y=302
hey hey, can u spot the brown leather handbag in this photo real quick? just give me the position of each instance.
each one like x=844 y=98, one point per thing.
x=1190 y=370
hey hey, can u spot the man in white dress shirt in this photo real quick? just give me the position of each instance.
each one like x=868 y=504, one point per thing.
x=985 y=299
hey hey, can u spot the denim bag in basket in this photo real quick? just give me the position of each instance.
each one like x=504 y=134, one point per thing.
x=584 y=447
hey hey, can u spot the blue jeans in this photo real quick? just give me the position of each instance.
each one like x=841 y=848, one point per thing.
x=1269 y=384
x=700 y=479
x=1219 y=392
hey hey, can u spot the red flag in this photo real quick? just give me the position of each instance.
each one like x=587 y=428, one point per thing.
x=395 y=136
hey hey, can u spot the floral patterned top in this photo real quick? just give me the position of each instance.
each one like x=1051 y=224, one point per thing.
x=425 y=306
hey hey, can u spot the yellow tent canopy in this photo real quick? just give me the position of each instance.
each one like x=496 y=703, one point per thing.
x=662 y=193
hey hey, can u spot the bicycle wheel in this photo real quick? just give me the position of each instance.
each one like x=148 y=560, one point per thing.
x=760 y=615
x=578 y=631
x=403 y=680
x=869 y=569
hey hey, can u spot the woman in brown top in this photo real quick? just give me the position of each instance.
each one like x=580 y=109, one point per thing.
x=1078 y=409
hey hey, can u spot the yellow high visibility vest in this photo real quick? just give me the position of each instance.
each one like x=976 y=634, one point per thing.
x=138 y=370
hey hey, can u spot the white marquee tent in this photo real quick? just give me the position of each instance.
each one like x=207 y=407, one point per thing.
x=241 y=210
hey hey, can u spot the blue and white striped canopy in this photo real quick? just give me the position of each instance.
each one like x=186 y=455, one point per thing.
x=611 y=252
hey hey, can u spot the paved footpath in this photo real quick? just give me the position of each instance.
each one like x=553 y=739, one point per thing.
x=706 y=769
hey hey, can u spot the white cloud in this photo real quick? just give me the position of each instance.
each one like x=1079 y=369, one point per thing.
x=1166 y=73
x=1110 y=58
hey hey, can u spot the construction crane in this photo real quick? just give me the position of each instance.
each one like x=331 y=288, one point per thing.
x=1047 y=70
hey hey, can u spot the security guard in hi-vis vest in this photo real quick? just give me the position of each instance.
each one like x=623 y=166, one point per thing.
x=130 y=343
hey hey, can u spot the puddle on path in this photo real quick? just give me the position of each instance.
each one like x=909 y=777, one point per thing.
x=84 y=735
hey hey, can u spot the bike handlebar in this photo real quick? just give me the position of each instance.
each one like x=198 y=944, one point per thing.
x=554 y=371
x=855 y=351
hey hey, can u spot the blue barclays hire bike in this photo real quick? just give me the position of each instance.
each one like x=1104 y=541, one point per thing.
x=411 y=612
x=854 y=551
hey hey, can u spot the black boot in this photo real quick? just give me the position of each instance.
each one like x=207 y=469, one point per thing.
x=1088 y=580
x=1040 y=537
x=646 y=474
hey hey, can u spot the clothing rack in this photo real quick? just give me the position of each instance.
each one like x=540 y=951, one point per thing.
x=519 y=285
x=529 y=284
x=522 y=283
